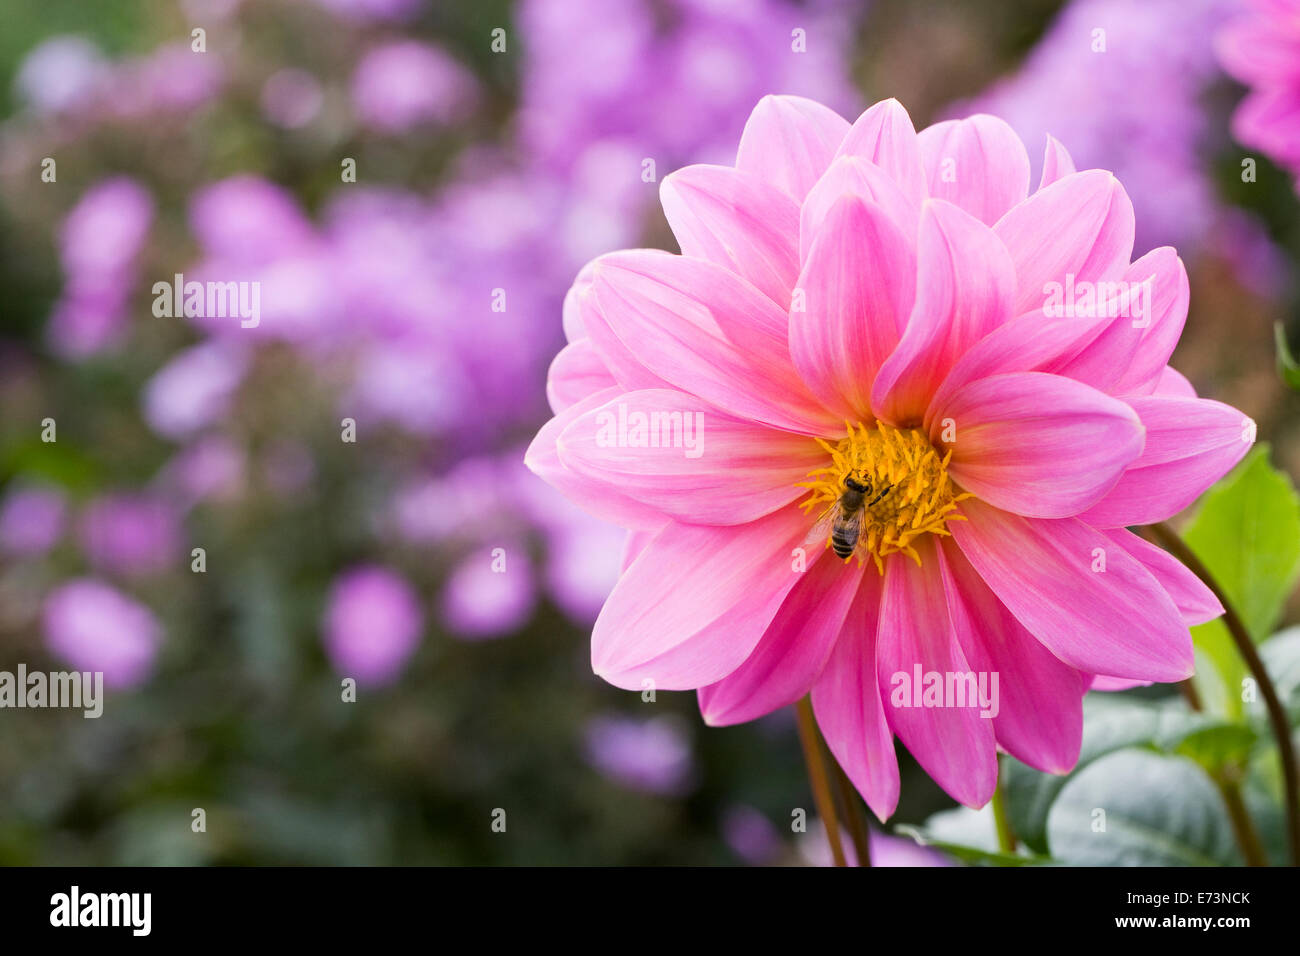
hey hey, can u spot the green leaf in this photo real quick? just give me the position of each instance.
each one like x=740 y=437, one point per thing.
x=1280 y=655
x=1287 y=366
x=1218 y=745
x=1139 y=808
x=1247 y=531
x=969 y=836
x=1109 y=723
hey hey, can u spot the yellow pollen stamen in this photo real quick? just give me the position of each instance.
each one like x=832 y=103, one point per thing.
x=909 y=491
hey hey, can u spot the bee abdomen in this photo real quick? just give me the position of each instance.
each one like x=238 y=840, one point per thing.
x=843 y=541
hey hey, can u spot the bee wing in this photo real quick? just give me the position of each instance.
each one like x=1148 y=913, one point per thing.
x=855 y=520
x=820 y=535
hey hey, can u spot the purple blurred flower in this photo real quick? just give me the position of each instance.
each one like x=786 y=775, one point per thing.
x=489 y=594
x=61 y=74
x=372 y=624
x=170 y=79
x=193 y=390
x=678 y=87
x=751 y=835
x=652 y=755
x=408 y=384
x=211 y=467
x=31 y=520
x=93 y=627
x=403 y=84
x=583 y=567
x=98 y=244
x=885 y=850
x=247 y=219
x=84 y=326
x=1261 y=48
x=105 y=231
x=133 y=533
x=291 y=98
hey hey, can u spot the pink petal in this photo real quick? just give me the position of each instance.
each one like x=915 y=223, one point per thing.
x=635 y=543
x=1039 y=699
x=965 y=284
x=1103 y=683
x=1195 y=602
x=1081 y=225
x=1028 y=343
x=623 y=365
x=1057 y=163
x=571 y=317
x=1261 y=48
x=577 y=371
x=790 y=657
x=611 y=505
x=696 y=602
x=789 y=141
x=739 y=222
x=1131 y=351
x=918 y=626
x=1119 y=621
x=858 y=287
x=855 y=176
x=1036 y=444
x=1174 y=384
x=708 y=332
x=1191 y=443
x=884 y=134
x=979 y=164
x=850 y=713
x=697 y=464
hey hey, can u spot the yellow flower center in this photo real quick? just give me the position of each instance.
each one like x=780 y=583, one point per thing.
x=884 y=488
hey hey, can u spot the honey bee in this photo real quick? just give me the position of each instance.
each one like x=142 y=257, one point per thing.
x=846 y=514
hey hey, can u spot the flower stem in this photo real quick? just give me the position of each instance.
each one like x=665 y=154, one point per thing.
x=1246 y=648
x=1006 y=836
x=853 y=813
x=1247 y=838
x=817 y=777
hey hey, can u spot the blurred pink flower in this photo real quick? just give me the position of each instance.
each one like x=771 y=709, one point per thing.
x=652 y=755
x=193 y=390
x=372 y=624
x=31 y=520
x=1261 y=48
x=131 y=533
x=93 y=627
x=247 y=219
x=751 y=835
x=171 y=79
x=847 y=307
x=211 y=467
x=490 y=593
x=885 y=850
x=407 y=83
x=63 y=73
x=99 y=243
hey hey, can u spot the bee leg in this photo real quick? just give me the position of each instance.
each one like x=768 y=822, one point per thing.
x=887 y=489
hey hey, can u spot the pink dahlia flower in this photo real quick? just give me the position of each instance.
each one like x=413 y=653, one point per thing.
x=862 y=306
x=1261 y=48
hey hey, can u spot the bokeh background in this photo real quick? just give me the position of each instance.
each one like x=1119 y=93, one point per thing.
x=482 y=177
